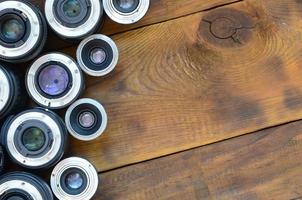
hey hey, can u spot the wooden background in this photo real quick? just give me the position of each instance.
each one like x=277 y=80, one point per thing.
x=205 y=103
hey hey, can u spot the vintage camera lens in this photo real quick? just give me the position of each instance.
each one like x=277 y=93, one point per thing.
x=74 y=19
x=11 y=92
x=23 y=31
x=97 y=55
x=54 y=81
x=23 y=186
x=86 y=119
x=35 y=138
x=74 y=179
x=126 y=11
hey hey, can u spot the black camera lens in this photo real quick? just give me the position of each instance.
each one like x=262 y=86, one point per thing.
x=97 y=55
x=11 y=92
x=35 y=138
x=74 y=179
x=74 y=19
x=126 y=11
x=24 y=186
x=54 y=81
x=23 y=31
x=86 y=119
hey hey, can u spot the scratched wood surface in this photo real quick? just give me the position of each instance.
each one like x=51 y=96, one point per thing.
x=190 y=74
x=198 y=79
x=263 y=165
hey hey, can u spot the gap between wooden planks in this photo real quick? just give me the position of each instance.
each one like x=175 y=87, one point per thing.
x=197 y=80
x=263 y=165
x=160 y=10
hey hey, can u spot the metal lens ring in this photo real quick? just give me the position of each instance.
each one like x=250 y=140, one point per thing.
x=22 y=47
x=74 y=179
x=5 y=90
x=97 y=55
x=86 y=119
x=126 y=11
x=21 y=185
x=35 y=138
x=54 y=81
x=76 y=25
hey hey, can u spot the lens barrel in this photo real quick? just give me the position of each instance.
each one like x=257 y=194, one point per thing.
x=97 y=55
x=74 y=179
x=86 y=119
x=74 y=19
x=35 y=138
x=12 y=95
x=54 y=81
x=22 y=185
x=126 y=11
x=23 y=31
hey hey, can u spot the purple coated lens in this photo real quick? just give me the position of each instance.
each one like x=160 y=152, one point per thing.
x=53 y=80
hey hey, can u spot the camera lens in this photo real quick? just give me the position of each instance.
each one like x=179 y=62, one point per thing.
x=35 y=138
x=126 y=11
x=74 y=179
x=86 y=119
x=54 y=81
x=11 y=92
x=97 y=55
x=23 y=186
x=22 y=31
x=74 y=19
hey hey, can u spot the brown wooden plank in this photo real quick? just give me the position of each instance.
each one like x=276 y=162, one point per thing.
x=264 y=165
x=177 y=86
x=160 y=10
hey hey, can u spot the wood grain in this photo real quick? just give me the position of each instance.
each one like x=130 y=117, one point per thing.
x=199 y=79
x=262 y=165
x=159 y=11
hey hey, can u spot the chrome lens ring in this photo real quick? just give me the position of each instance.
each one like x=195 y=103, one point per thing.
x=54 y=143
x=24 y=186
x=55 y=102
x=91 y=106
x=5 y=89
x=125 y=17
x=74 y=32
x=36 y=38
x=85 y=167
x=107 y=43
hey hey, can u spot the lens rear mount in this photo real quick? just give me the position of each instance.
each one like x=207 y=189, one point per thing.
x=126 y=11
x=59 y=85
x=74 y=19
x=43 y=146
x=97 y=55
x=23 y=31
x=74 y=179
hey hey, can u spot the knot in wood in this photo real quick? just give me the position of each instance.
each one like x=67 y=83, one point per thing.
x=223 y=28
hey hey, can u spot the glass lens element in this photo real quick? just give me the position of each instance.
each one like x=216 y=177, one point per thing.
x=86 y=119
x=74 y=180
x=72 y=8
x=97 y=56
x=53 y=80
x=33 y=139
x=12 y=29
x=126 y=4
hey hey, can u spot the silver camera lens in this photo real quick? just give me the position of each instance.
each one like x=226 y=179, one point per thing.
x=54 y=81
x=97 y=55
x=35 y=138
x=23 y=186
x=11 y=92
x=126 y=11
x=74 y=179
x=74 y=19
x=23 y=31
x=86 y=119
